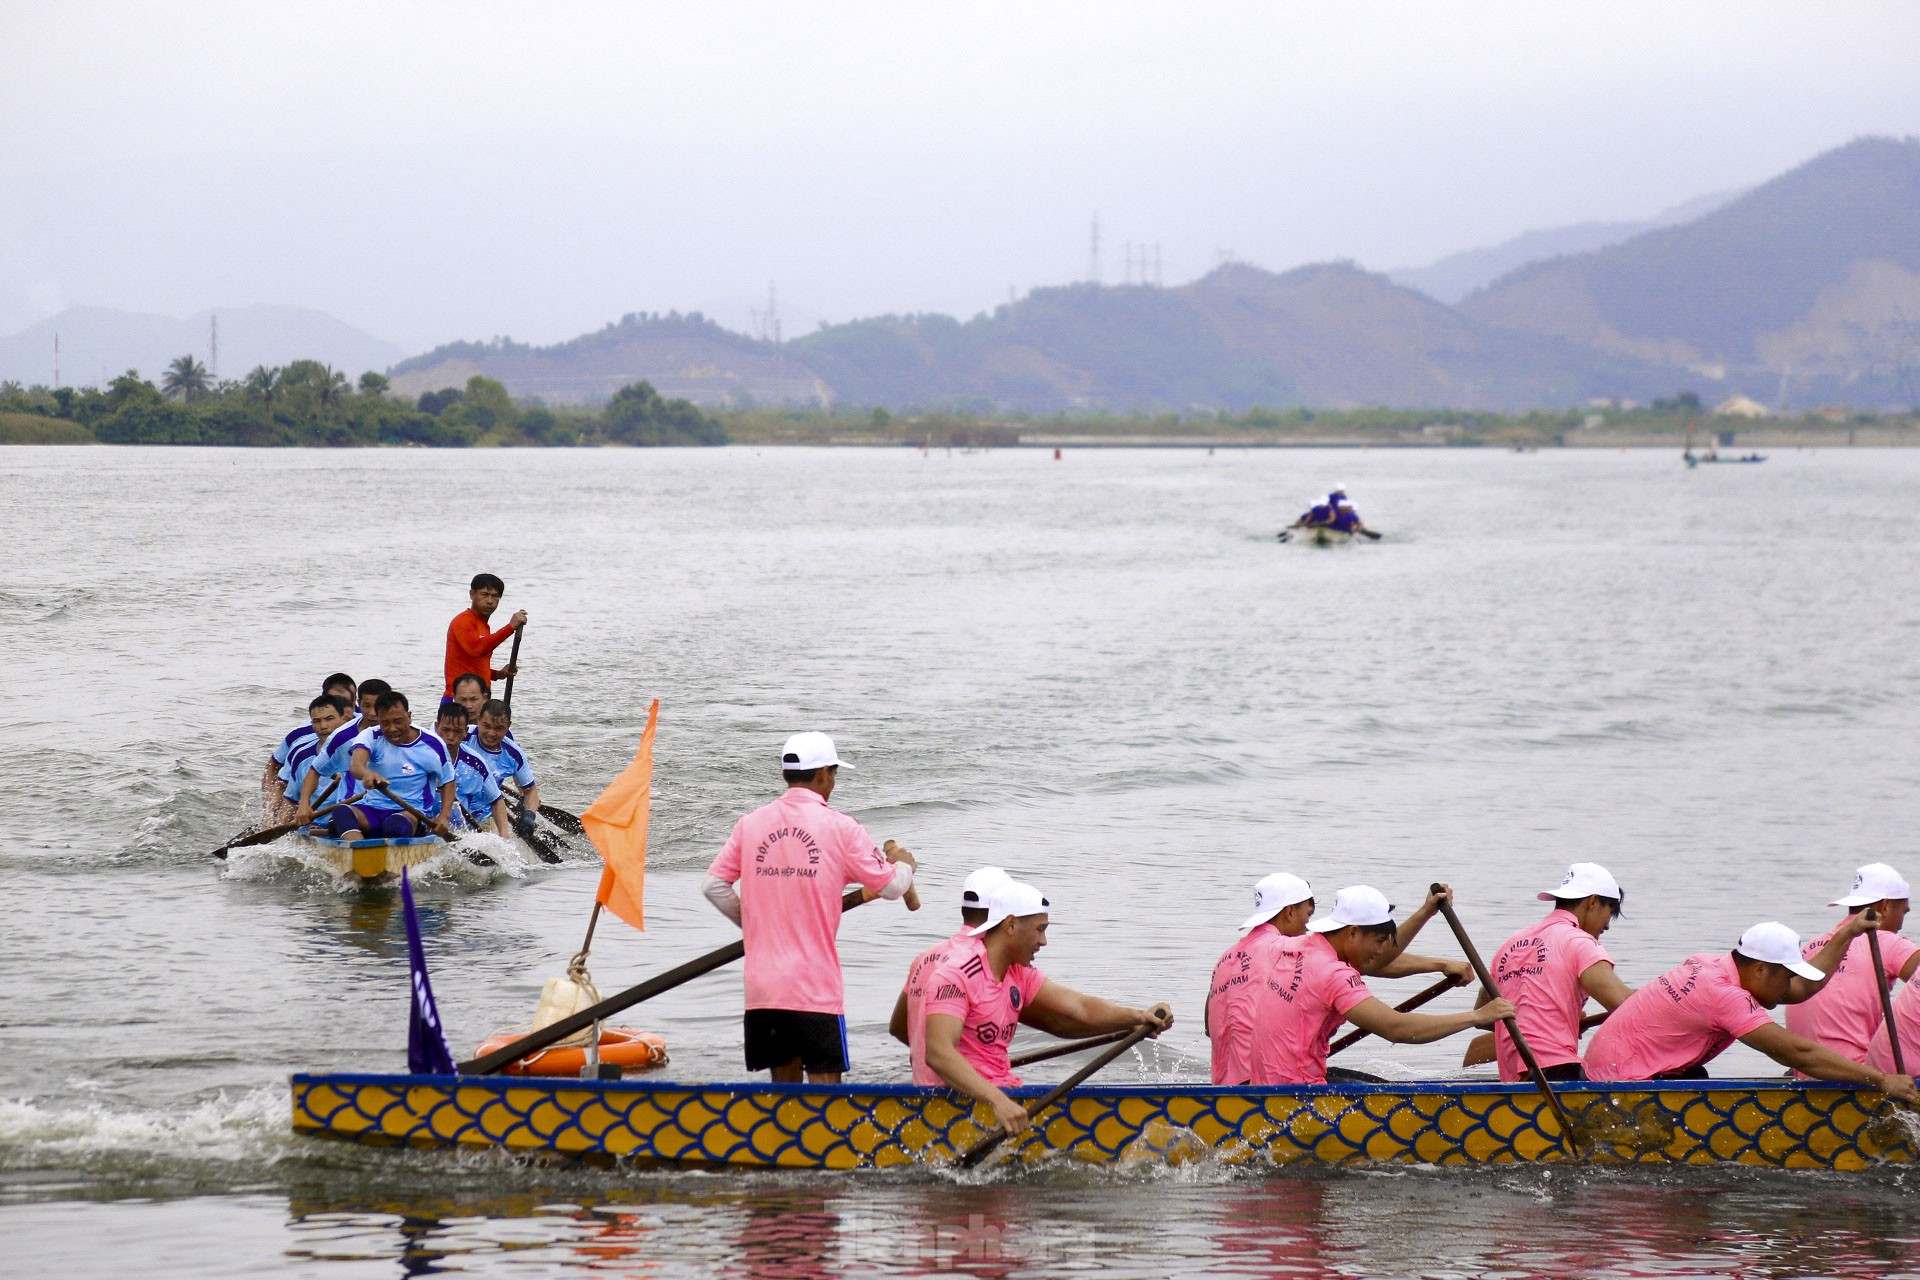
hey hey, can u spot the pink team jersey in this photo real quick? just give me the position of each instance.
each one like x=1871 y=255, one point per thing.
x=1684 y=1018
x=1906 y=1020
x=1539 y=970
x=960 y=945
x=962 y=985
x=792 y=860
x=1230 y=1002
x=1846 y=1013
x=1308 y=991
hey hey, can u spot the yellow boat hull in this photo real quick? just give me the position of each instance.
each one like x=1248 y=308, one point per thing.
x=1792 y=1125
x=373 y=859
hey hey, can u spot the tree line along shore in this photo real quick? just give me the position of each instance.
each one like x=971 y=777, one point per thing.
x=309 y=404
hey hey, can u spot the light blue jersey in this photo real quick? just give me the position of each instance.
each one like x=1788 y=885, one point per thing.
x=284 y=750
x=333 y=759
x=508 y=762
x=415 y=772
x=474 y=787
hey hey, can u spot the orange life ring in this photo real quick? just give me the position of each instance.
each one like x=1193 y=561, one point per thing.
x=625 y=1047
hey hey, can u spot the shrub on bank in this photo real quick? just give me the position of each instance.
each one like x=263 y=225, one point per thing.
x=32 y=428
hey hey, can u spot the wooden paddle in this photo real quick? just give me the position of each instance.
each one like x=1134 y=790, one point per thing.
x=535 y=838
x=513 y=662
x=980 y=1150
x=1886 y=996
x=1368 y=533
x=1540 y=1081
x=534 y=1041
x=268 y=834
x=1062 y=1050
x=474 y=856
x=1408 y=1005
x=569 y=823
x=1480 y=1048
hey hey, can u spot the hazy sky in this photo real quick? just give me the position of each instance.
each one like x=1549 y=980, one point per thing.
x=435 y=171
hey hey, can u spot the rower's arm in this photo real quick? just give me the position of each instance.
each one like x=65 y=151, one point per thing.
x=1061 y=1011
x=1410 y=929
x=500 y=823
x=1826 y=960
x=530 y=797
x=1907 y=969
x=361 y=767
x=1599 y=981
x=724 y=897
x=897 y=1024
x=1406 y=965
x=944 y=1056
x=1421 y=1028
x=1822 y=1063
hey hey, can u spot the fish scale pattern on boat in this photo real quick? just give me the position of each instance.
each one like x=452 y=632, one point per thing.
x=864 y=1126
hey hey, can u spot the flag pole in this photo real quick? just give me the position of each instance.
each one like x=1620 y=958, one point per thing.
x=579 y=961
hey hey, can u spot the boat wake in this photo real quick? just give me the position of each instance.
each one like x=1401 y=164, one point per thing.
x=475 y=861
x=210 y=1142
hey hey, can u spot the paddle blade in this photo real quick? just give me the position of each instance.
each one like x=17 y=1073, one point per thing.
x=427 y=1052
x=262 y=836
x=616 y=823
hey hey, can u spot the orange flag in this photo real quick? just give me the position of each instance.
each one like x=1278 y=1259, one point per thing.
x=617 y=825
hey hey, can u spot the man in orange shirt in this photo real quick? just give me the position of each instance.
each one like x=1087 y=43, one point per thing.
x=469 y=645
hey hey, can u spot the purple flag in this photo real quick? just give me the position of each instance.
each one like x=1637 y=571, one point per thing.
x=427 y=1052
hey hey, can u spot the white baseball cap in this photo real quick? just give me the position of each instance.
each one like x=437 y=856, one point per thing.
x=1274 y=894
x=1774 y=943
x=1360 y=904
x=979 y=886
x=1014 y=898
x=809 y=751
x=1872 y=883
x=1583 y=880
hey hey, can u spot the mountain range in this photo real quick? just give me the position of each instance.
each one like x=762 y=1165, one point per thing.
x=1459 y=274
x=1800 y=291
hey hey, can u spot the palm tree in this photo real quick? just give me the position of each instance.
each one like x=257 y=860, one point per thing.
x=186 y=379
x=331 y=387
x=261 y=386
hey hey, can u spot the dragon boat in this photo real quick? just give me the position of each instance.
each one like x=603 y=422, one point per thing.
x=1316 y=535
x=1779 y=1123
x=371 y=859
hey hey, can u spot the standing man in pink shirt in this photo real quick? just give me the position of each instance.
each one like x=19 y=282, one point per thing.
x=1549 y=970
x=1673 y=1026
x=1315 y=984
x=792 y=860
x=973 y=1002
x=1846 y=1012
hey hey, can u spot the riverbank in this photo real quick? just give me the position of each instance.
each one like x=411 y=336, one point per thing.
x=1296 y=429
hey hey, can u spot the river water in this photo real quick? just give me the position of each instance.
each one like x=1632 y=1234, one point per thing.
x=1101 y=672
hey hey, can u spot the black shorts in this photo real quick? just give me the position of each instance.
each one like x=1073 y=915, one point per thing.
x=776 y=1037
x=1564 y=1071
